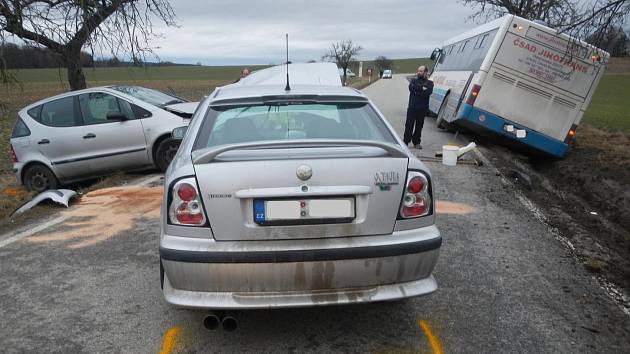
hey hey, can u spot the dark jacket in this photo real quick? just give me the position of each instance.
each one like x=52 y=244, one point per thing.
x=420 y=90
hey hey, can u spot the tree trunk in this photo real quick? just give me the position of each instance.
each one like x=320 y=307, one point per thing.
x=76 y=77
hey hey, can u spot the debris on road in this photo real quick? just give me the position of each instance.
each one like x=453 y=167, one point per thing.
x=60 y=196
x=446 y=207
x=450 y=153
x=521 y=178
x=104 y=213
x=593 y=265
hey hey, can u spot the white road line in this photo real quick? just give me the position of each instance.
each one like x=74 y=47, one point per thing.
x=8 y=239
x=33 y=230
x=147 y=180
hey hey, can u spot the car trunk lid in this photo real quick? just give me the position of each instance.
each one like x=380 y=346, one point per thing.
x=267 y=194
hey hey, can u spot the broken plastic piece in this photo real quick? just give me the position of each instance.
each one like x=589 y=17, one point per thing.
x=61 y=196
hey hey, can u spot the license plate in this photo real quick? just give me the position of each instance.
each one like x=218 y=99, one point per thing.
x=303 y=211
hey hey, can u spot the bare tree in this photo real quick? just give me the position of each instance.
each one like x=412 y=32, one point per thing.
x=67 y=26
x=383 y=63
x=343 y=53
x=578 y=18
x=556 y=13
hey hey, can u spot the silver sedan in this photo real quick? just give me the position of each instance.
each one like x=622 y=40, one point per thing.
x=295 y=198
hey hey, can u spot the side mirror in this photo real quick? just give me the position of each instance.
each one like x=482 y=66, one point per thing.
x=436 y=52
x=179 y=132
x=117 y=116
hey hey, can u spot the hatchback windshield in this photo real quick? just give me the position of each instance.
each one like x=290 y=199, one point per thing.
x=239 y=124
x=147 y=95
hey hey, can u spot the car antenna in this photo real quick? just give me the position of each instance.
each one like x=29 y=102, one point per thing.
x=288 y=87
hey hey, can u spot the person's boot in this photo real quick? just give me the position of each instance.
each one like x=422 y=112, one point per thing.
x=417 y=146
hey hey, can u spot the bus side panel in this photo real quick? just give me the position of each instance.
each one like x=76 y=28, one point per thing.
x=451 y=83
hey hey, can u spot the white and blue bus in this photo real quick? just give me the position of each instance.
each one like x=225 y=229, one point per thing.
x=518 y=79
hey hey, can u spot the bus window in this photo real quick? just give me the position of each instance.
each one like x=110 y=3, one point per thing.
x=462 y=57
x=481 y=41
x=462 y=47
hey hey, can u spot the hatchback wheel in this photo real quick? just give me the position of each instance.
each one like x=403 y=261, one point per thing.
x=165 y=153
x=39 y=178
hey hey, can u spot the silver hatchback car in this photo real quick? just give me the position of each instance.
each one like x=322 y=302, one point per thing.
x=294 y=198
x=88 y=133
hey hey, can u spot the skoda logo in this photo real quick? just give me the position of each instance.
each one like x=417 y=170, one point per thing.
x=304 y=172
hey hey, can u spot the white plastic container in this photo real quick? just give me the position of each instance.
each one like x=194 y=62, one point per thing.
x=449 y=155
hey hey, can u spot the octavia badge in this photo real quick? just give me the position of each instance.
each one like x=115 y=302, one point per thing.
x=304 y=172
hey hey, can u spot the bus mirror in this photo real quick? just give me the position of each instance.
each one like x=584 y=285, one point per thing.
x=435 y=53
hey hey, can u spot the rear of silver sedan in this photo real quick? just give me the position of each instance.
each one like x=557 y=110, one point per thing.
x=261 y=220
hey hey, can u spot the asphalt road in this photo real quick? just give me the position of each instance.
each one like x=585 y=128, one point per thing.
x=506 y=283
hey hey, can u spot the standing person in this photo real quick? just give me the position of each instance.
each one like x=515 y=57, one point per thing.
x=244 y=74
x=420 y=89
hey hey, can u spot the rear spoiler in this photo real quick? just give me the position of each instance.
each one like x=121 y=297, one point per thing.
x=208 y=154
x=289 y=98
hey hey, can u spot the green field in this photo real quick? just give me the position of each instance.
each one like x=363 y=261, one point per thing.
x=125 y=74
x=610 y=107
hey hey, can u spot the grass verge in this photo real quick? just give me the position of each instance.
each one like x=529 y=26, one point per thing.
x=610 y=107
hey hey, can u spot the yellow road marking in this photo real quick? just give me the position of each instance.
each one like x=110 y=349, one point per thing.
x=170 y=338
x=433 y=341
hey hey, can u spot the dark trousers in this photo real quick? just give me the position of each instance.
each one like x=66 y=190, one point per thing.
x=413 y=125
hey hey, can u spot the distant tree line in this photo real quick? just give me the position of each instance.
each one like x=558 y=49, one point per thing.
x=29 y=57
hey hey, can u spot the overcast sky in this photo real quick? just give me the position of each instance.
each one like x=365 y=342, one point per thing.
x=252 y=32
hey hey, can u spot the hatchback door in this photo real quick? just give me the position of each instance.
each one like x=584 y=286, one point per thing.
x=308 y=171
x=59 y=136
x=353 y=191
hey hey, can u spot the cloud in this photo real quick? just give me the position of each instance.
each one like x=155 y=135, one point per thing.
x=250 y=32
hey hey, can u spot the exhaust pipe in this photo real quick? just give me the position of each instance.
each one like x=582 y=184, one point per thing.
x=211 y=322
x=229 y=322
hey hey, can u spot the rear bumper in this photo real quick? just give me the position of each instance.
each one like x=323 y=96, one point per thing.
x=264 y=275
x=17 y=171
x=474 y=118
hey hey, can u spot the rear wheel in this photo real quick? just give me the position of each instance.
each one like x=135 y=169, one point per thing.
x=166 y=152
x=39 y=178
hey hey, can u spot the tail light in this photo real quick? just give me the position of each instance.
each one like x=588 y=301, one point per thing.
x=473 y=95
x=13 y=156
x=416 y=200
x=185 y=204
x=570 y=134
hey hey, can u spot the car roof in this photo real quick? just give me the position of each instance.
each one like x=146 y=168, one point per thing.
x=246 y=93
x=301 y=74
x=69 y=93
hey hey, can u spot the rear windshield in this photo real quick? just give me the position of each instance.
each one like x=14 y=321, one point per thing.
x=238 y=124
